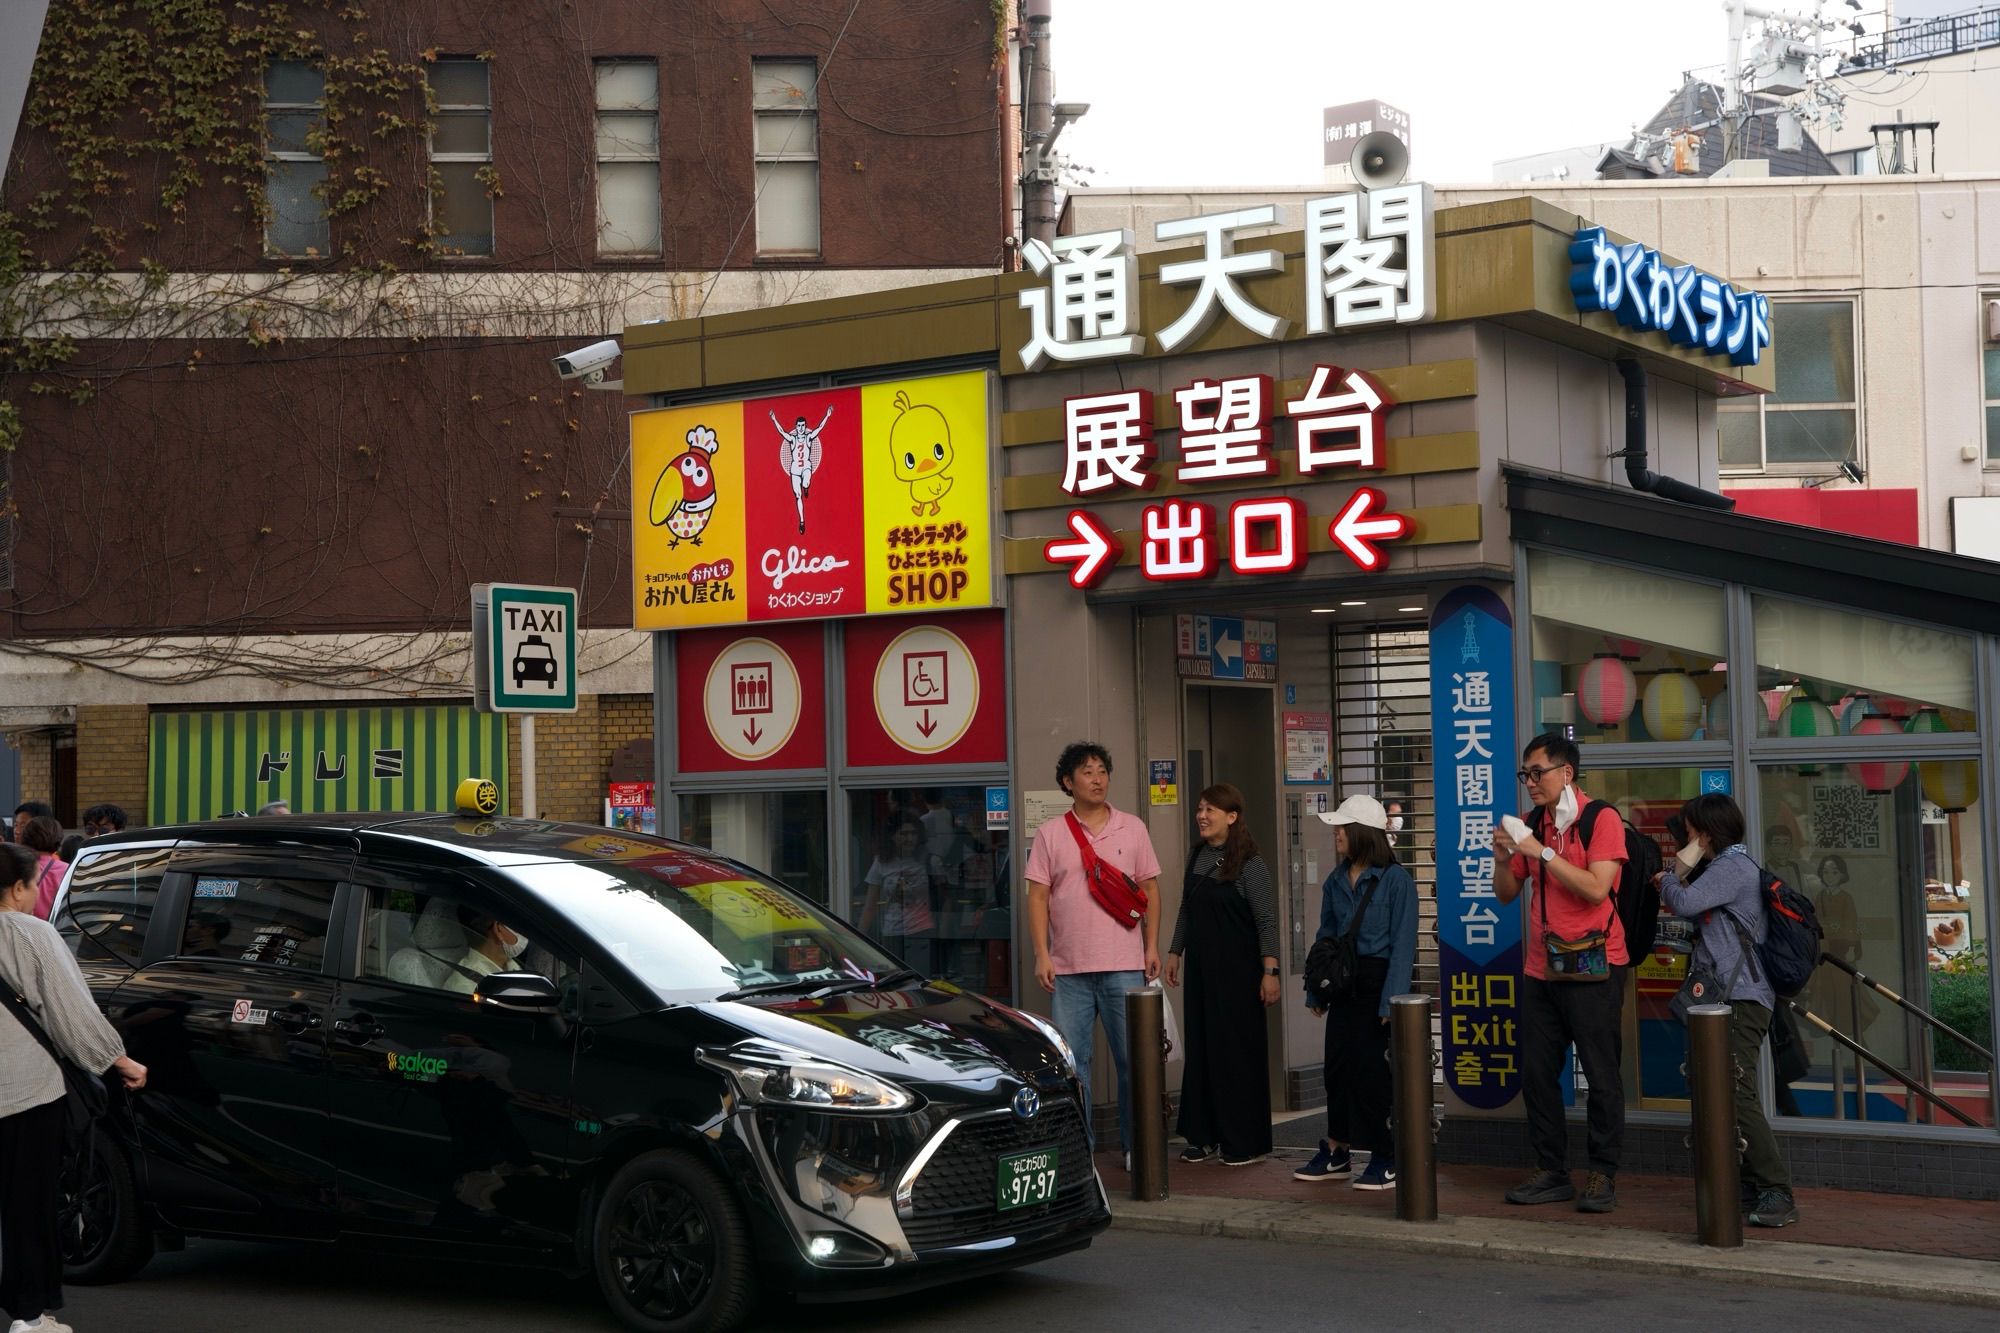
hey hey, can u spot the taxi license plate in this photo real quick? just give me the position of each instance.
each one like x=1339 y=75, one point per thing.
x=1027 y=1178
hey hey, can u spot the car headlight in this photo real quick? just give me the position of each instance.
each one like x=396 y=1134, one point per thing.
x=1056 y=1038
x=767 y=1074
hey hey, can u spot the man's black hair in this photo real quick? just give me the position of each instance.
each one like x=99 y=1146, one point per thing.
x=1559 y=748
x=1074 y=756
x=34 y=809
x=106 y=813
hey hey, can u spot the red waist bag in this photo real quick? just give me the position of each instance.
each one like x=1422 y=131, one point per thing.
x=1112 y=888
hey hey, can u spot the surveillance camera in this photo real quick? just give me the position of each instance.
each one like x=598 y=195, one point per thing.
x=584 y=361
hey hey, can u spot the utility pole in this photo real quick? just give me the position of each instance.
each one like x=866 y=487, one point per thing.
x=1038 y=174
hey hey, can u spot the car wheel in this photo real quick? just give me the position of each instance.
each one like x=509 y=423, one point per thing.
x=104 y=1237
x=671 y=1248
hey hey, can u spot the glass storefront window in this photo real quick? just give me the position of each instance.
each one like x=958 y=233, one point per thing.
x=782 y=833
x=1625 y=655
x=1827 y=672
x=1899 y=884
x=933 y=883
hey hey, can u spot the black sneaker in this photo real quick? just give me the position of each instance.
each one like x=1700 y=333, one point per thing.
x=1196 y=1153
x=1248 y=1159
x=1543 y=1187
x=1600 y=1195
x=1329 y=1163
x=1775 y=1208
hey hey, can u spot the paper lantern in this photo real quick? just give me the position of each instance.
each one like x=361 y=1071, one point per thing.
x=1853 y=710
x=1807 y=716
x=1671 y=706
x=1880 y=779
x=1715 y=717
x=1775 y=699
x=1606 y=690
x=1952 y=785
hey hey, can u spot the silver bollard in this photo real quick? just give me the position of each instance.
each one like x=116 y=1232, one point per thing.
x=1146 y=1049
x=1416 y=1150
x=1712 y=1092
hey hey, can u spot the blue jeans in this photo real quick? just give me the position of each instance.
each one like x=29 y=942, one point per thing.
x=1081 y=999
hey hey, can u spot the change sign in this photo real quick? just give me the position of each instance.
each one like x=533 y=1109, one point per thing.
x=523 y=648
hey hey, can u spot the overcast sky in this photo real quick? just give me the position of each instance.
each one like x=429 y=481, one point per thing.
x=1206 y=93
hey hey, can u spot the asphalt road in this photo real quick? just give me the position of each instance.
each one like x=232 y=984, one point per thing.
x=1125 y=1280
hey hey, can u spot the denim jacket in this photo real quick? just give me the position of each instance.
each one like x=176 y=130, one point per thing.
x=1388 y=931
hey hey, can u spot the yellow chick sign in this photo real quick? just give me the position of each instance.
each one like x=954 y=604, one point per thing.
x=920 y=452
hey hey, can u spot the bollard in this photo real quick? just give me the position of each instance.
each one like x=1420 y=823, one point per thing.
x=1146 y=1048
x=1410 y=1066
x=1712 y=1088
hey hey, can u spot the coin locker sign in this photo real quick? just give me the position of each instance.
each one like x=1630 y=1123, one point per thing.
x=841 y=502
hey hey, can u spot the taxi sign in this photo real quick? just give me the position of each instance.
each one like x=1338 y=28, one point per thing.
x=523 y=648
x=478 y=796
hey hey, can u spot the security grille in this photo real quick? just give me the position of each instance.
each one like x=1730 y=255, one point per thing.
x=1382 y=743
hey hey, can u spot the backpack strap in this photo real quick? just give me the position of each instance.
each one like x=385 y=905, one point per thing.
x=1586 y=820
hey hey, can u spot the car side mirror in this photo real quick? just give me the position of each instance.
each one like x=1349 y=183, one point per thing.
x=528 y=991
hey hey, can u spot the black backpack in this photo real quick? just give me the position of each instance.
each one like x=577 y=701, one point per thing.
x=1790 y=951
x=1635 y=896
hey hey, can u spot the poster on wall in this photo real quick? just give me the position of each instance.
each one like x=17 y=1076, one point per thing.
x=1473 y=749
x=869 y=500
x=1308 y=748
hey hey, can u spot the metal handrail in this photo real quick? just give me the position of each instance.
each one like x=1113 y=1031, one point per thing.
x=1907 y=1005
x=1863 y=1053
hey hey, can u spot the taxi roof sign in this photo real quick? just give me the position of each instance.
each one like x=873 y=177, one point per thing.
x=477 y=796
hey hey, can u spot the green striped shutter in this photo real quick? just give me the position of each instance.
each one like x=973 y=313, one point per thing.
x=321 y=760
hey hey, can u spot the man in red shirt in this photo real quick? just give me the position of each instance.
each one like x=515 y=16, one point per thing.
x=1570 y=873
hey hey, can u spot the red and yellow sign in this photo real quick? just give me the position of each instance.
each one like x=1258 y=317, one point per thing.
x=842 y=502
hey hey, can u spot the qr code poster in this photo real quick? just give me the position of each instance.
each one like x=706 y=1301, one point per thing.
x=1844 y=815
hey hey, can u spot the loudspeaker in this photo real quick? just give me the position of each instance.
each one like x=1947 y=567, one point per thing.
x=1379 y=159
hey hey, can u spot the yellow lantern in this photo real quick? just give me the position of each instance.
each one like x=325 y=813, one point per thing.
x=1671 y=706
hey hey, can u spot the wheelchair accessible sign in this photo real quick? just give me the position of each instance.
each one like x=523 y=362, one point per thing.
x=523 y=648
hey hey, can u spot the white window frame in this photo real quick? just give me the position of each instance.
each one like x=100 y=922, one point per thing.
x=798 y=147
x=466 y=110
x=274 y=155
x=1989 y=395
x=1763 y=406
x=604 y=247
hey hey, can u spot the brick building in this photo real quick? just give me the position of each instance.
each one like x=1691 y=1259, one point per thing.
x=280 y=363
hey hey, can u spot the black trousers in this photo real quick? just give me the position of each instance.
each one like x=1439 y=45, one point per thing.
x=1555 y=1016
x=1358 y=1086
x=31 y=1144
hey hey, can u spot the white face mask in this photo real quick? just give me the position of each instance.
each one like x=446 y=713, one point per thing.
x=1690 y=855
x=516 y=946
x=1566 y=811
x=1395 y=823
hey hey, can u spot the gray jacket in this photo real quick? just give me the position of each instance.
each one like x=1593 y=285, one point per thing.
x=1729 y=892
x=37 y=965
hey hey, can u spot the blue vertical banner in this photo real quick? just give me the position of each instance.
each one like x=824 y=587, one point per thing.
x=1472 y=767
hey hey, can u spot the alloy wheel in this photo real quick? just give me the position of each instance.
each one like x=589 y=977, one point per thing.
x=663 y=1249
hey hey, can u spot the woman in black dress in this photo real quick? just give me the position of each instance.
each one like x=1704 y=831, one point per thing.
x=1226 y=936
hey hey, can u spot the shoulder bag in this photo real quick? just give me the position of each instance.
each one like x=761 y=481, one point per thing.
x=1111 y=888
x=87 y=1099
x=1333 y=964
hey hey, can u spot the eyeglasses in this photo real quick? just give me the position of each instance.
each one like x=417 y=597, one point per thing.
x=1534 y=775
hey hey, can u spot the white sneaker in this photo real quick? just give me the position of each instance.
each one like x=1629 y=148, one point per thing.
x=44 y=1324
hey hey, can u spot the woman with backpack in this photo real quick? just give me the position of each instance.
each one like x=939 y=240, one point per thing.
x=1714 y=883
x=1369 y=902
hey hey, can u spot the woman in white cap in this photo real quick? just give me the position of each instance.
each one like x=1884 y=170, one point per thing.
x=1370 y=900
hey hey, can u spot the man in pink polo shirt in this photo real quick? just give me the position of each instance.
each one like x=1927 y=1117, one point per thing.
x=1083 y=956
x=1570 y=872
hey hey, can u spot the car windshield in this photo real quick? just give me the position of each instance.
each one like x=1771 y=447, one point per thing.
x=695 y=928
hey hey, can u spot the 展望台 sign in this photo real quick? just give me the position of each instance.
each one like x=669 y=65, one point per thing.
x=839 y=502
x=1472 y=749
x=1693 y=308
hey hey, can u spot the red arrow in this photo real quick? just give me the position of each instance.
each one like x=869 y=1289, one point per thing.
x=926 y=726
x=1095 y=550
x=1356 y=533
x=751 y=734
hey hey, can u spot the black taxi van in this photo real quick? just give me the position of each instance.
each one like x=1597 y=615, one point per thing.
x=603 y=1051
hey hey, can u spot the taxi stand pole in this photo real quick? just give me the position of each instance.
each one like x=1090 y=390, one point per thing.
x=1146 y=1044
x=1712 y=1088
x=528 y=810
x=1414 y=1119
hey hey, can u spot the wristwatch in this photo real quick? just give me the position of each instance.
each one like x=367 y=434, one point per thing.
x=1272 y=972
x=1548 y=855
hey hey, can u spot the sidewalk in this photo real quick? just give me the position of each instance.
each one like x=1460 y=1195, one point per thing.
x=1846 y=1239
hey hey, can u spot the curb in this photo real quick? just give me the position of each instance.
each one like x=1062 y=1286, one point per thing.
x=1897 y=1276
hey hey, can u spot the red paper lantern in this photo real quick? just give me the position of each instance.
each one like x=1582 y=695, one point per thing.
x=1606 y=691
x=1879 y=779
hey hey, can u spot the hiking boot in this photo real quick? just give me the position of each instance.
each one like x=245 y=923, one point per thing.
x=1599 y=1194
x=1775 y=1208
x=1380 y=1173
x=1329 y=1163
x=1196 y=1153
x=1543 y=1187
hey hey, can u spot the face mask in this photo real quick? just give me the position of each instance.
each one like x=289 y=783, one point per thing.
x=517 y=946
x=1566 y=810
x=1689 y=856
x=1395 y=823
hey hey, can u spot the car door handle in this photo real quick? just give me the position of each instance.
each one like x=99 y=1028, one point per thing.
x=361 y=1029
x=298 y=1018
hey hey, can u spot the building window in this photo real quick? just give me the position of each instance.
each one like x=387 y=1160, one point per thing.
x=1811 y=424
x=1992 y=399
x=294 y=103
x=786 y=107
x=628 y=157
x=462 y=157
